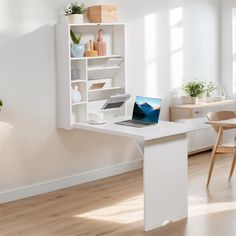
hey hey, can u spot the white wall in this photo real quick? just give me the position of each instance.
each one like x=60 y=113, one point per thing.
x=166 y=41
x=226 y=46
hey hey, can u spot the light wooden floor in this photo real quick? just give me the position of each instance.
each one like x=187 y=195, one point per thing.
x=114 y=206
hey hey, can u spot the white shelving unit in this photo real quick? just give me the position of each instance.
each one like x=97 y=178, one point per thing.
x=85 y=71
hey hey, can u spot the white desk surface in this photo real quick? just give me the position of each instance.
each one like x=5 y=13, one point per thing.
x=161 y=130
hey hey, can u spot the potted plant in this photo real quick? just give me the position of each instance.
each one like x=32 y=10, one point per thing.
x=210 y=87
x=194 y=89
x=75 y=12
x=77 y=48
x=214 y=92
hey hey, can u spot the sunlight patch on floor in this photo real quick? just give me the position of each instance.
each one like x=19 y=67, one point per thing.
x=124 y=212
x=208 y=208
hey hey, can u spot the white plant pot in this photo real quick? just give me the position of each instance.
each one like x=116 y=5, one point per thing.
x=76 y=19
x=194 y=100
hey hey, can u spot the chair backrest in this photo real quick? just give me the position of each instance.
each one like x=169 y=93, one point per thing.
x=220 y=115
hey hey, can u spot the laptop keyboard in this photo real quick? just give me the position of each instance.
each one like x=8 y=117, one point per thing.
x=134 y=123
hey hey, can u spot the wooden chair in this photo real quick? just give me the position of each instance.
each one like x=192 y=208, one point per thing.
x=219 y=147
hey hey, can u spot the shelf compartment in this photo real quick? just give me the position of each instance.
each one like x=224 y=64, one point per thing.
x=82 y=87
x=78 y=70
x=101 y=94
x=102 y=72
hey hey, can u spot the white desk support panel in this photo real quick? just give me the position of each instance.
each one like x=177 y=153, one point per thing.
x=164 y=148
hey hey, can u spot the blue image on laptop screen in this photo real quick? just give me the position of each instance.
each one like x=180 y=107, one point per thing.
x=147 y=109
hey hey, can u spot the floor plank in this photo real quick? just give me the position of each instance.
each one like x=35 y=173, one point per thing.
x=114 y=206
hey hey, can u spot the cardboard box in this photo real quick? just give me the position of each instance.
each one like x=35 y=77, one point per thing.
x=102 y=14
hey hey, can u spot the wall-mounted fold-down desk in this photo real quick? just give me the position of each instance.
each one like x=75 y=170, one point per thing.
x=164 y=148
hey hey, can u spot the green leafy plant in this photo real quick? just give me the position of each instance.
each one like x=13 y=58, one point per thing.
x=74 y=38
x=1 y=103
x=210 y=87
x=74 y=8
x=194 y=88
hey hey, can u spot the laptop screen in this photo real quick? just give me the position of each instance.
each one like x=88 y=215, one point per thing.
x=147 y=109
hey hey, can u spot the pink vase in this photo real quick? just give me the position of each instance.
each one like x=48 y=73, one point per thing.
x=100 y=45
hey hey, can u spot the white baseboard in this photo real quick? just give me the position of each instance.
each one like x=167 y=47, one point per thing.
x=52 y=185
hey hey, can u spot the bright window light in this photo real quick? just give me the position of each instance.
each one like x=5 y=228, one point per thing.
x=150 y=42
x=176 y=16
x=176 y=46
x=151 y=79
x=150 y=37
x=177 y=69
x=176 y=37
x=209 y=208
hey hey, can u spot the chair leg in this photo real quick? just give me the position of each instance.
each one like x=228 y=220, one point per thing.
x=233 y=165
x=213 y=156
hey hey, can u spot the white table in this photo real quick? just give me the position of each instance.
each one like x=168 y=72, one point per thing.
x=164 y=148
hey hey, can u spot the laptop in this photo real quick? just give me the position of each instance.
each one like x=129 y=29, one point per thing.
x=146 y=112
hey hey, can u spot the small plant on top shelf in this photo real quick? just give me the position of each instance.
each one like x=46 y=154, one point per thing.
x=74 y=8
x=75 y=12
x=77 y=49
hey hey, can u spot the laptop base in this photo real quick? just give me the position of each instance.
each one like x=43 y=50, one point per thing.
x=134 y=123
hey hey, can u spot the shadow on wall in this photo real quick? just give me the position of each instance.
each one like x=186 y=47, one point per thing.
x=29 y=77
x=29 y=88
x=42 y=151
x=86 y=150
